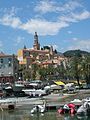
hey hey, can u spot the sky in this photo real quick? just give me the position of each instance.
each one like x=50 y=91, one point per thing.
x=64 y=24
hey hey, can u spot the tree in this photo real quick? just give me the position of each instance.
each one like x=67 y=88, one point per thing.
x=86 y=68
x=34 y=68
x=75 y=68
x=43 y=73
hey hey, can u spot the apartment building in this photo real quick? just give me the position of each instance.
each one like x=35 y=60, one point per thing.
x=9 y=66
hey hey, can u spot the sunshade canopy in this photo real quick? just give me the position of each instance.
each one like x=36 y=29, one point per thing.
x=59 y=83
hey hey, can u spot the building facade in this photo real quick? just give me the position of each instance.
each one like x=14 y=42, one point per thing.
x=35 y=54
x=8 y=68
x=43 y=57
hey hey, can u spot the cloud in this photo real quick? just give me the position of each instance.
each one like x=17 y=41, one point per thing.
x=46 y=6
x=80 y=44
x=84 y=15
x=46 y=26
x=71 y=5
x=43 y=27
x=10 y=20
x=8 y=17
x=75 y=17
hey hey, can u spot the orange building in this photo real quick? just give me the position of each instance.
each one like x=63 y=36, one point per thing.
x=43 y=56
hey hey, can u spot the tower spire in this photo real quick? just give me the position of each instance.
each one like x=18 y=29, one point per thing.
x=35 y=37
x=36 y=45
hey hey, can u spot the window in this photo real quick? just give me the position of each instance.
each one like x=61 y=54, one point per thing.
x=1 y=60
x=9 y=62
x=9 y=65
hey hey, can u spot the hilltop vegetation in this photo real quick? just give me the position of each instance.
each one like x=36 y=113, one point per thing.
x=77 y=53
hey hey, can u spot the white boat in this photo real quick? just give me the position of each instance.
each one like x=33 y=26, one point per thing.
x=84 y=109
x=39 y=109
x=34 y=92
x=76 y=101
x=87 y=99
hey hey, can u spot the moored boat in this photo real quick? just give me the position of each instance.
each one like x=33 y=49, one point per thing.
x=84 y=109
x=39 y=109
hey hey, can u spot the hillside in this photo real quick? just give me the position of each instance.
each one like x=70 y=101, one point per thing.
x=77 y=53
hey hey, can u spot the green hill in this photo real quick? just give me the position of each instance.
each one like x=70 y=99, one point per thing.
x=77 y=53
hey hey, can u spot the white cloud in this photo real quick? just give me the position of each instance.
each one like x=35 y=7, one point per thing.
x=68 y=19
x=80 y=44
x=75 y=17
x=46 y=6
x=10 y=20
x=43 y=27
x=71 y=5
x=84 y=15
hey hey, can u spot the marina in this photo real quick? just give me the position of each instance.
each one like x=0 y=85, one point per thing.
x=24 y=105
x=52 y=101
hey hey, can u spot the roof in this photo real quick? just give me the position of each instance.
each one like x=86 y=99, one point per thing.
x=4 y=55
x=38 y=51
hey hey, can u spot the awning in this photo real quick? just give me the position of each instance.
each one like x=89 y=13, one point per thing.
x=59 y=83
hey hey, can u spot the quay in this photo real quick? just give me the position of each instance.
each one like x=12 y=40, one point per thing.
x=52 y=101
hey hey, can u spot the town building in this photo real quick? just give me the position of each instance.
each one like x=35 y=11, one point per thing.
x=43 y=57
x=8 y=68
x=28 y=56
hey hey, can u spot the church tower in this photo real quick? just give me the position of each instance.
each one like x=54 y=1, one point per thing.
x=51 y=50
x=36 y=45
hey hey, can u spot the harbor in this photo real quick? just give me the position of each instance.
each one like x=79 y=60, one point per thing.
x=53 y=102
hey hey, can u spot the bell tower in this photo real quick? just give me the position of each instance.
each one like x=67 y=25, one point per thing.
x=36 y=44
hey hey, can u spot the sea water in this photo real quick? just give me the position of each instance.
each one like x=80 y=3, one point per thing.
x=24 y=114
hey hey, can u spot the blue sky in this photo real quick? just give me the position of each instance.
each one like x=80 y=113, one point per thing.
x=64 y=24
